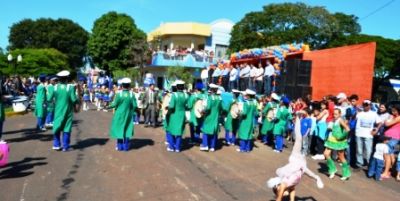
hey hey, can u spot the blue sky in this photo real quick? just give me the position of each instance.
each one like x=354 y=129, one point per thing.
x=148 y=14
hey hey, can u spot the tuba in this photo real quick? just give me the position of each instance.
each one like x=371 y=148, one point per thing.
x=164 y=105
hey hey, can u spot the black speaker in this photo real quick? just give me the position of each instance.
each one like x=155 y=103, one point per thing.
x=296 y=78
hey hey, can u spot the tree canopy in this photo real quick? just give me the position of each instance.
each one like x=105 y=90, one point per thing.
x=179 y=72
x=291 y=22
x=113 y=38
x=35 y=62
x=62 y=34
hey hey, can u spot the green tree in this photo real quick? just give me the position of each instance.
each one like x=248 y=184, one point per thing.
x=179 y=72
x=113 y=36
x=62 y=34
x=291 y=22
x=133 y=73
x=36 y=61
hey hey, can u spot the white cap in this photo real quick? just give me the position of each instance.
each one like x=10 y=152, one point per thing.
x=367 y=102
x=54 y=78
x=179 y=82
x=125 y=80
x=235 y=91
x=275 y=96
x=250 y=92
x=214 y=86
x=63 y=73
x=341 y=96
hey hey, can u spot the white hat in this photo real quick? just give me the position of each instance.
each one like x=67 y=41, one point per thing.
x=367 y=102
x=214 y=86
x=125 y=80
x=179 y=82
x=54 y=78
x=63 y=73
x=275 y=96
x=235 y=91
x=173 y=84
x=341 y=96
x=250 y=92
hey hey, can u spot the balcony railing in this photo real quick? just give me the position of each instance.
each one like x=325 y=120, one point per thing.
x=186 y=60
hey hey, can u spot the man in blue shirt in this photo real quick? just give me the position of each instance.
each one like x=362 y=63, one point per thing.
x=215 y=75
x=351 y=114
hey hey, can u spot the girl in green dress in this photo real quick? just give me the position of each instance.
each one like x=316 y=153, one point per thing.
x=40 y=107
x=337 y=140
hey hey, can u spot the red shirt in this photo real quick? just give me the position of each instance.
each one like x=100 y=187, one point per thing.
x=331 y=108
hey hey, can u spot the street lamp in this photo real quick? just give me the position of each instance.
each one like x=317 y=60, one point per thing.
x=10 y=59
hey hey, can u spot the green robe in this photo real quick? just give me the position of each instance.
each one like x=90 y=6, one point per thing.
x=231 y=124
x=268 y=125
x=337 y=139
x=176 y=110
x=249 y=112
x=65 y=99
x=211 y=118
x=49 y=96
x=192 y=100
x=122 y=121
x=283 y=116
x=40 y=109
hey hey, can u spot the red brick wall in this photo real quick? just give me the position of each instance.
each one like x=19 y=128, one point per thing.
x=347 y=69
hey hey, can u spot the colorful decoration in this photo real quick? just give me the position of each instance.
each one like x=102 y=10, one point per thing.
x=279 y=51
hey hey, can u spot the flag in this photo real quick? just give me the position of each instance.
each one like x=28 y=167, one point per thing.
x=166 y=84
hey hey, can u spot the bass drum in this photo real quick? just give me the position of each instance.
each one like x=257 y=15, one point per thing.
x=199 y=107
x=164 y=105
x=236 y=110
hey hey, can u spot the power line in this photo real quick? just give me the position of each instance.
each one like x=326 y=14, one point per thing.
x=377 y=10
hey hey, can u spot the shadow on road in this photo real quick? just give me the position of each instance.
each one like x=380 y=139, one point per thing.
x=20 y=168
x=86 y=143
x=138 y=143
x=323 y=168
x=286 y=198
x=31 y=136
x=25 y=130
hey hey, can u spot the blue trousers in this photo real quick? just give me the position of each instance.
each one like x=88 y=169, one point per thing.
x=230 y=137
x=123 y=144
x=279 y=142
x=264 y=139
x=267 y=85
x=40 y=122
x=174 y=142
x=245 y=145
x=209 y=141
x=194 y=133
x=49 y=118
x=65 y=138
x=375 y=168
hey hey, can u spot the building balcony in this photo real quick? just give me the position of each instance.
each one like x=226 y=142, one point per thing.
x=185 y=60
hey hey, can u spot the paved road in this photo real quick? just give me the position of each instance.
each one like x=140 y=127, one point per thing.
x=93 y=170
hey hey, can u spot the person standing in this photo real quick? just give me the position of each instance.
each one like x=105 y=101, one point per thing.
x=65 y=100
x=269 y=72
x=225 y=78
x=269 y=113
x=125 y=106
x=2 y=115
x=351 y=114
x=194 y=122
x=177 y=118
x=244 y=77
x=204 y=76
x=253 y=74
x=216 y=74
x=40 y=104
x=393 y=131
x=50 y=102
x=259 y=78
x=231 y=124
x=233 y=75
x=337 y=141
x=246 y=127
x=283 y=117
x=151 y=102
x=210 y=126
x=365 y=131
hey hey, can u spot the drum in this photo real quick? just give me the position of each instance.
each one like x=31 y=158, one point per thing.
x=164 y=105
x=271 y=114
x=236 y=110
x=199 y=107
x=20 y=104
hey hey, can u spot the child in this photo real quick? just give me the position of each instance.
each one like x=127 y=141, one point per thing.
x=305 y=128
x=283 y=117
x=377 y=163
x=106 y=99
x=86 y=98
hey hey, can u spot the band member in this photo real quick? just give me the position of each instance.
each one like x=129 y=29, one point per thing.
x=122 y=127
x=40 y=104
x=195 y=122
x=246 y=127
x=231 y=123
x=65 y=100
x=283 y=116
x=50 y=102
x=210 y=127
x=86 y=98
x=176 y=110
x=269 y=114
